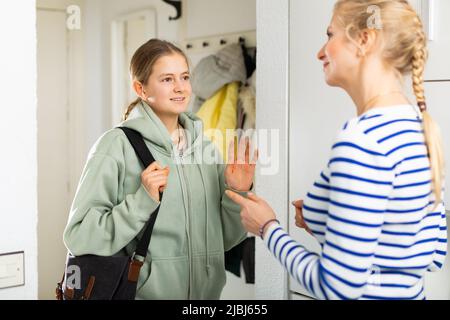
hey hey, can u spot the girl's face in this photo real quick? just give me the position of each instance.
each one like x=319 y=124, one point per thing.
x=339 y=57
x=169 y=87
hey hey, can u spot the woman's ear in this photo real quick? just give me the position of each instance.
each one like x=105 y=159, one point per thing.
x=367 y=42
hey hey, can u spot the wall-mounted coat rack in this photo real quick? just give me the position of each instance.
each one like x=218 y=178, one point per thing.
x=216 y=42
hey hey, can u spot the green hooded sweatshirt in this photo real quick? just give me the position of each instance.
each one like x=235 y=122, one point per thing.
x=196 y=223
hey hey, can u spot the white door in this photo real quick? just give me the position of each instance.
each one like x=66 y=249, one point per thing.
x=437 y=285
x=53 y=147
x=438 y=67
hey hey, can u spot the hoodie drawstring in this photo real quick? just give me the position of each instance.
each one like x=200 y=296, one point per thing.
x=206 y=224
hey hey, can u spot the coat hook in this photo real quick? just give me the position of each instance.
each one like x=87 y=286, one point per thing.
x=223 y=41
x=241 y=40
x=189 y=46
x=205 y=44
x=177 y=5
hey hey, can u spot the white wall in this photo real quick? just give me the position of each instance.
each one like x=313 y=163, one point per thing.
x=438 y=66
x=212 y=17
x=18 y=138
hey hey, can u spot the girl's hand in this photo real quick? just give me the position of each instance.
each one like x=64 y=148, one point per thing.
x=240 y=171
x=154 y=179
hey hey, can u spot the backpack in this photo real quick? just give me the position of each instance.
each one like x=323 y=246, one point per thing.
x=91 y=277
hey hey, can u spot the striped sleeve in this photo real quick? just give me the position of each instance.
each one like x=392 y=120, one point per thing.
x=315 y=206
x=353 y=226
x=441 y=247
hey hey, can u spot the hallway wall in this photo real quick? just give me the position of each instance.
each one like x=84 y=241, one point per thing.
x=18 y=138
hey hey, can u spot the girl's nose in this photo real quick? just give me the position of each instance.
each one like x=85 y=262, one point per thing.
x=178 y=86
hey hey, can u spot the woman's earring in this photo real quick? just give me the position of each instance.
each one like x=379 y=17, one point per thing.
x=361 y=53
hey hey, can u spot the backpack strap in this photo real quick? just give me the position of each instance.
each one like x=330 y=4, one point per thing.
x=146 y=158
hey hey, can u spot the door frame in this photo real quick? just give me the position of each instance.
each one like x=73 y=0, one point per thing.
x=118 y=56
x=272 y=33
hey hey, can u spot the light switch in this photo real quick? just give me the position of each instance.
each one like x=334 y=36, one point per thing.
x=12 y=270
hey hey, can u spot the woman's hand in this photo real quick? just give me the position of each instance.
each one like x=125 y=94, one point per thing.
x=239 y=171
x=299 y=220
x=154 y=179
x=255 y=212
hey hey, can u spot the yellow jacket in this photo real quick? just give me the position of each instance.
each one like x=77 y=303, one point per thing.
x=220 y=113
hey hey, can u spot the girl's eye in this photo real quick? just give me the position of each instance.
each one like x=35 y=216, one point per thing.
x=167 y=79
x=329 y=34
x=186 y=78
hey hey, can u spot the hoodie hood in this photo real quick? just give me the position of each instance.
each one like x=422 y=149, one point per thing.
x=144 y=120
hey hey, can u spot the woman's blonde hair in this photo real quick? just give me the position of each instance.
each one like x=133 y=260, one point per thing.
x=405 y=49
x=143 y=60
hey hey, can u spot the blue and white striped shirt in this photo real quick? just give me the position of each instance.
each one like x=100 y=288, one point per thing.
x=372 y=211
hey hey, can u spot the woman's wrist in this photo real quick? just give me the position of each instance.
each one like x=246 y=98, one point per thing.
x=265 y=226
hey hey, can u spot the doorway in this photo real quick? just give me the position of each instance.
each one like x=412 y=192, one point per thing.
x=59 y=138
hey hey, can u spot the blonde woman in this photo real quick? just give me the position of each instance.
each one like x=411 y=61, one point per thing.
x=377 y=208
